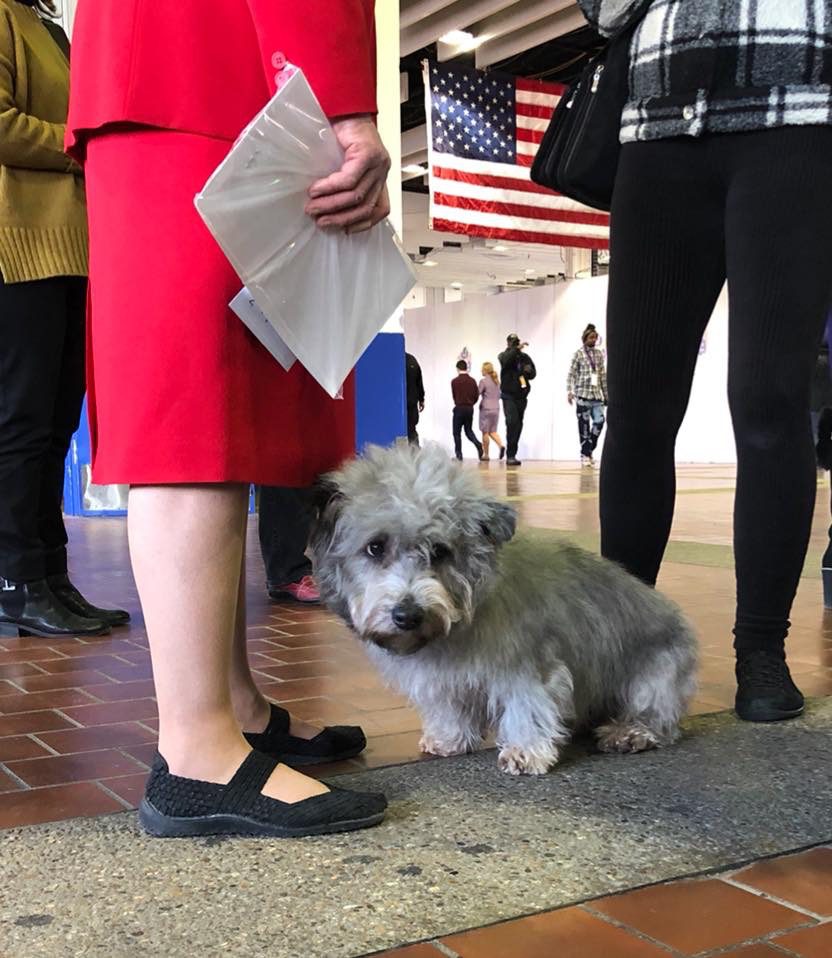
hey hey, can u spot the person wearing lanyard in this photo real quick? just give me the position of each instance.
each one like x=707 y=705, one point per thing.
x=586 y=387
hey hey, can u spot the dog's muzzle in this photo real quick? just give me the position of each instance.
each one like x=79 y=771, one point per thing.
x=407 y=616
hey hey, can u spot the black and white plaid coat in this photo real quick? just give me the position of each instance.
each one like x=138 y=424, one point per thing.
x=722 y=66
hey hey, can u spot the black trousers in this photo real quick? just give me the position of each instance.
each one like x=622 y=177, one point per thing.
x=41 y=393
x=514 y=409
x=464 y=420
x=284 y=525
x=755 y=208
x=412 y=423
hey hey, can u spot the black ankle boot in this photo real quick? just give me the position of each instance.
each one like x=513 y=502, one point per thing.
x=66 y=593
x=765 y=690
x=31 y=608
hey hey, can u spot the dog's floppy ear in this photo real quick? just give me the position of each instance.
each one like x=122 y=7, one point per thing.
x=499 y=523
x=324 y=492
x=326 y=502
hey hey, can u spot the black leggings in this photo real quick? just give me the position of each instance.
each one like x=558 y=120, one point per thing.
x=755 y=208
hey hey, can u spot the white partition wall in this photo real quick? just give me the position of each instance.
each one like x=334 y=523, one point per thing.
x=551 y=319
x=67 y=9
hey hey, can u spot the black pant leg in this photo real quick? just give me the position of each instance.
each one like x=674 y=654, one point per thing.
x=779 y=206
x=67 y=415
x=514 y=423
x=412 y=423
x=468 y=426
x=284 y=524
x=666 y=271
x=457 y=430
x=33 y=319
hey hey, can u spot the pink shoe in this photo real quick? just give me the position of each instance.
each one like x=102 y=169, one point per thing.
x=304 y=591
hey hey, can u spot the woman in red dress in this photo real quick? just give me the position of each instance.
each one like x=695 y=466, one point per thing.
x=184 y=402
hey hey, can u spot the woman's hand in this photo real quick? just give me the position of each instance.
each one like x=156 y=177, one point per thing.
x=355 y=198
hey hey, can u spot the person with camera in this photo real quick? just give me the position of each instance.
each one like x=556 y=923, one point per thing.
x=517 y=371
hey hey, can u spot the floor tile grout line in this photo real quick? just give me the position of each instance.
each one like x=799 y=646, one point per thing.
x=127 y=806
x=46 y=745
x=24 y=785
x=727 y=949
x=784 y=902
x=634 y=932
x=69 y=718
x=443 y=949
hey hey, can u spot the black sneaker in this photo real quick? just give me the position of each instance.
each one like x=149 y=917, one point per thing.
x=513 y=462
x=765 y=690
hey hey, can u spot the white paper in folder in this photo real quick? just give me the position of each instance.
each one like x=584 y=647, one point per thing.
x=325 y=294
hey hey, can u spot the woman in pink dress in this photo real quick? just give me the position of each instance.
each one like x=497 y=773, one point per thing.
x=490 y=409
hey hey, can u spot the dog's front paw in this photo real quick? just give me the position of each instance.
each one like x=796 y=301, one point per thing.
x=626 y=737
x=433 y=746
x=516 y=760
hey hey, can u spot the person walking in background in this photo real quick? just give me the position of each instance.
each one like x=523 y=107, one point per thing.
x=415 y=396
x=43 y=295
x=466 y=395
x=726 y=165
x=821 y=393
x=185 y=401
x=490 y=409
x=586 y=387
x=284 y=523
x=517 y=370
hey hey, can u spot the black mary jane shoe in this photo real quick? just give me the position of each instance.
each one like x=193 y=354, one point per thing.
x=176 y=807
x=334 y=744
x=66 y=593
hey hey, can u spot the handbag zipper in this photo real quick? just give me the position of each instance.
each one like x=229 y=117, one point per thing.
x=578 y=133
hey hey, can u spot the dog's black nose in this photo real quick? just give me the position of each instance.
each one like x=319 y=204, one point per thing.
x=407 y=616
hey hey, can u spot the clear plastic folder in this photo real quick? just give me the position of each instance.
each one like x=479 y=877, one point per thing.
x=325 y=294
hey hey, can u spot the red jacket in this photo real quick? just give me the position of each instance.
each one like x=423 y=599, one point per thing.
x=205 y=66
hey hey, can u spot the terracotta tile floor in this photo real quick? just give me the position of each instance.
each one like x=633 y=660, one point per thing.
x=78 y=722
x=759 y=912
x=78 y=718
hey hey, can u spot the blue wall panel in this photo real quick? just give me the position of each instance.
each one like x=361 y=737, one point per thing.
x=380 y=401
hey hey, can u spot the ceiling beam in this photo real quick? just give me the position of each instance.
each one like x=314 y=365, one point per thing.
x=414 y=141
x=412 y=11
x=549 y=28
x=519 y=16
x=457 y=15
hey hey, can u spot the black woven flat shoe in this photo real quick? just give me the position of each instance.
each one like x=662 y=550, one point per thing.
x=334 y=744
x=175 y=807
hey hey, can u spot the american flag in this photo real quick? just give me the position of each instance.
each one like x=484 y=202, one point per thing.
x=483 y=133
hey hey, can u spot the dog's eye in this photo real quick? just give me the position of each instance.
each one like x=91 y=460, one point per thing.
x=375 y=550
x=439 y=552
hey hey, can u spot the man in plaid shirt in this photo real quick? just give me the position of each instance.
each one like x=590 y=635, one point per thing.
x=725 y=173
x=586 y=386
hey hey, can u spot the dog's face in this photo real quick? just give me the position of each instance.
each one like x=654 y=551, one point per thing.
x=404 y=545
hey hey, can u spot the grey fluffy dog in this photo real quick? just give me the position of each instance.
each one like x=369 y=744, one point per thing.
x=483 y=629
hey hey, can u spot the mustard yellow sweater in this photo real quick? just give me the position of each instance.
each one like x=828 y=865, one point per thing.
x=43 y=219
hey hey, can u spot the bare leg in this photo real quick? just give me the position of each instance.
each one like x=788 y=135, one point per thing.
x=186 y=546
x=496 y=437
x=251 y=707
x=485 y=445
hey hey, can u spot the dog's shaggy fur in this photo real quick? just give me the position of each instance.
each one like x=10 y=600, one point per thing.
x=482 y=628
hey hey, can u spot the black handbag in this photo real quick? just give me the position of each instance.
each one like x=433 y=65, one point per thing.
x=578 y=155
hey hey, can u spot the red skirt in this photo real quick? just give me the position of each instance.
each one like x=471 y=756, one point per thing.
x=179 y=390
